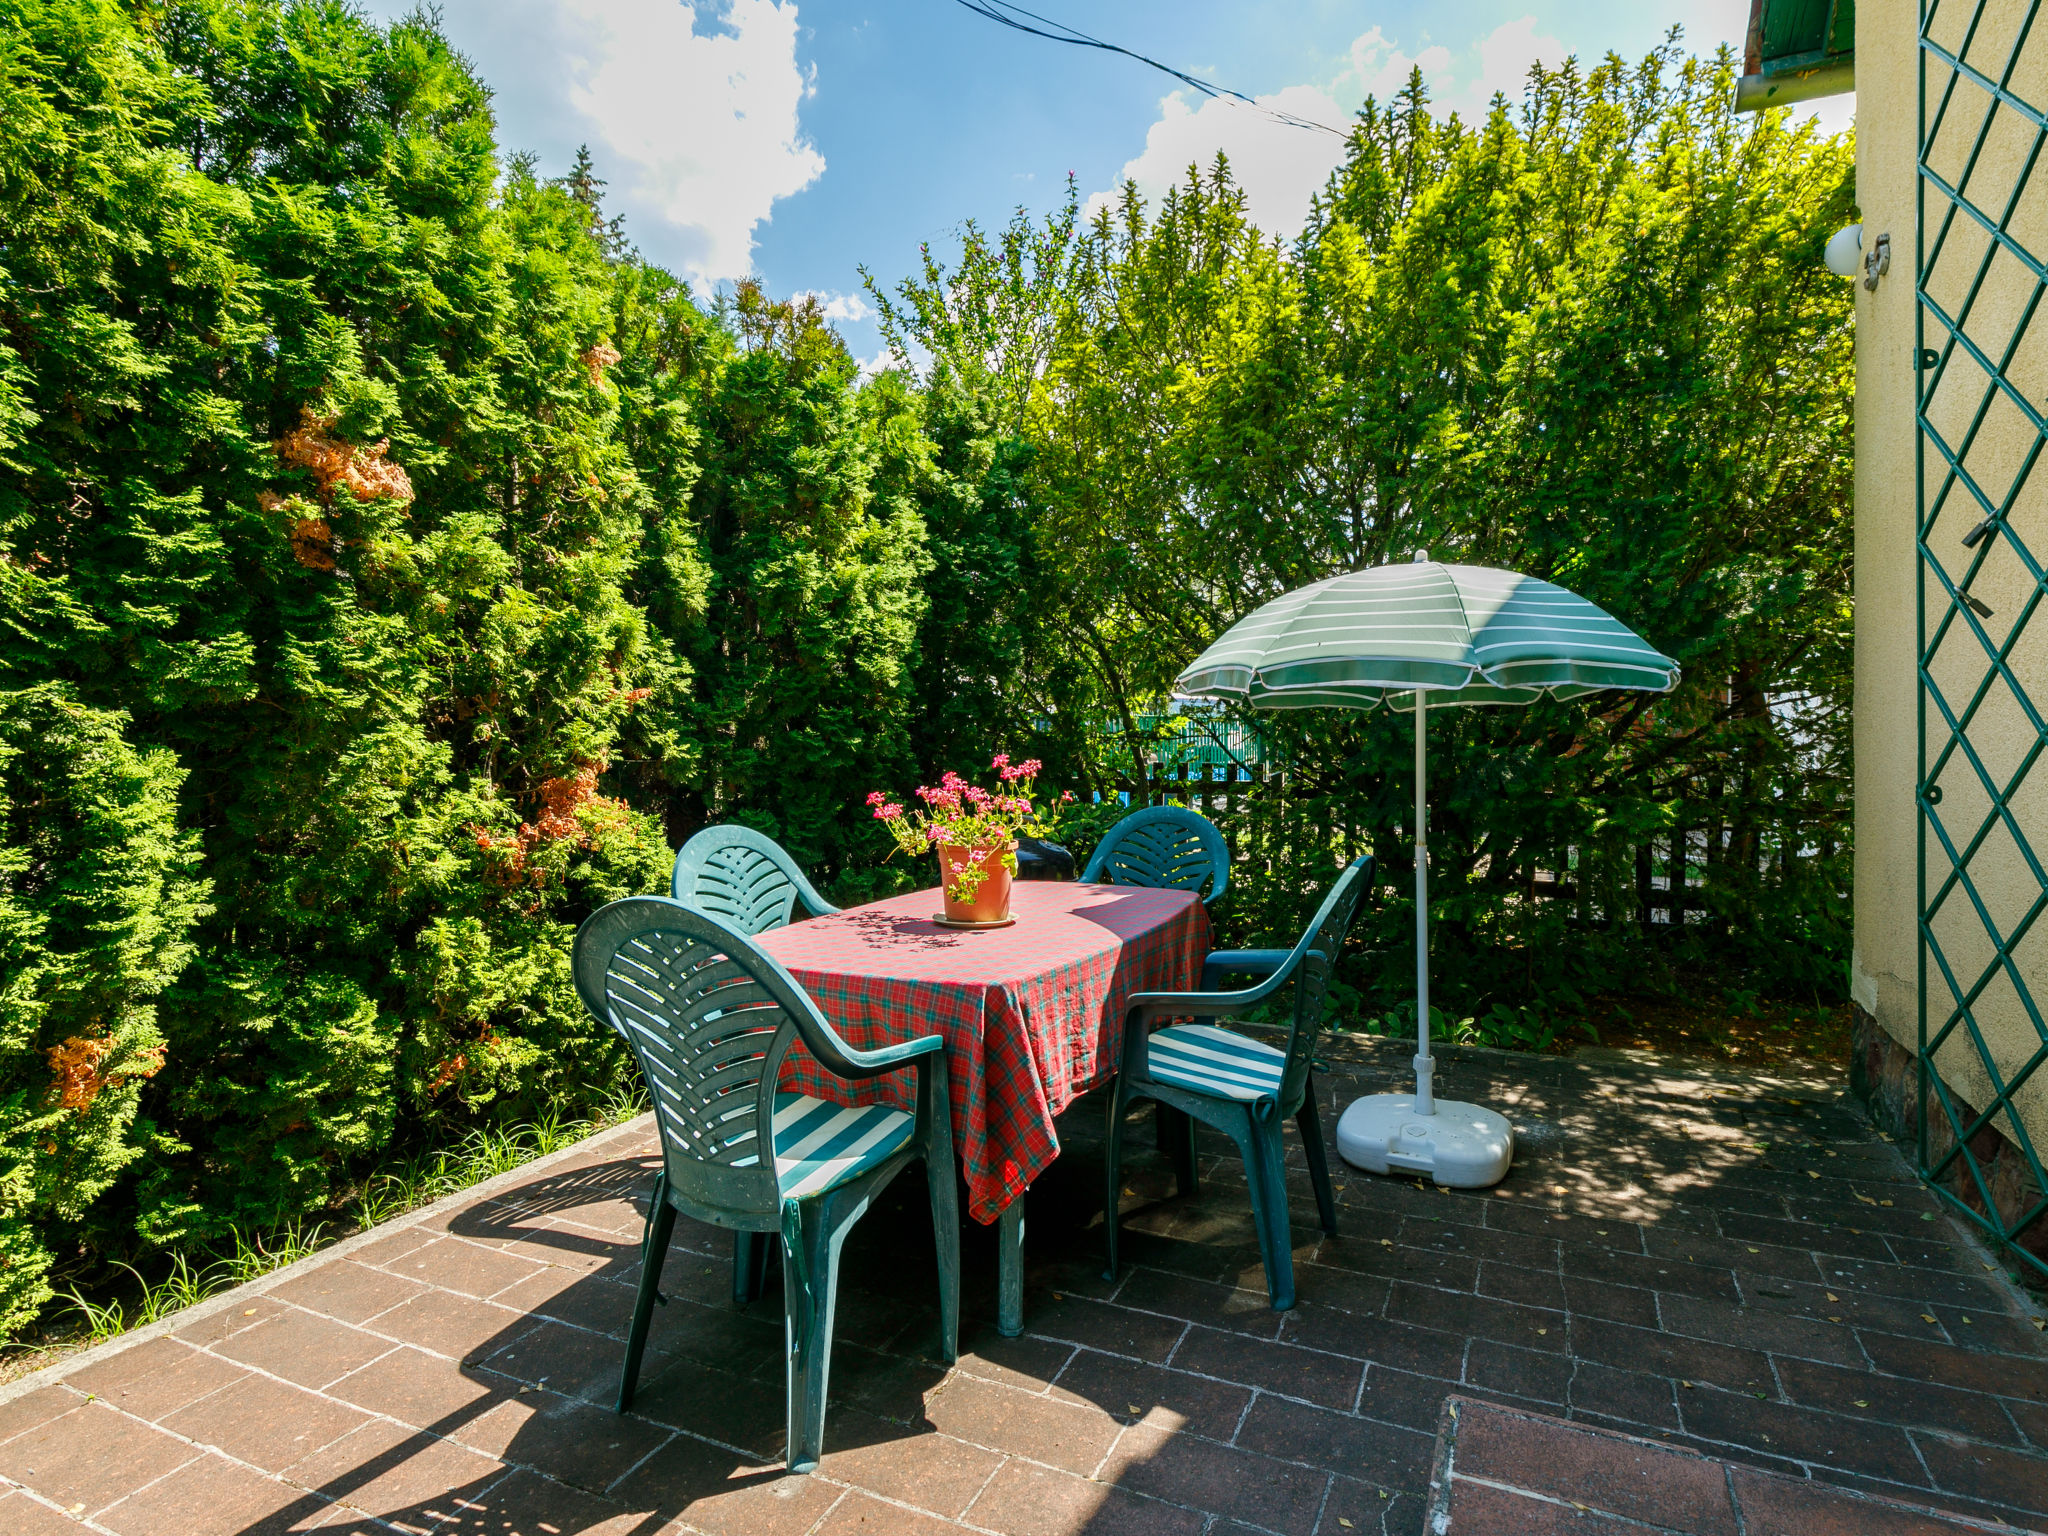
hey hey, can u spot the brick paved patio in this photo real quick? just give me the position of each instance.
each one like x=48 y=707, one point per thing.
x=1736 y=1266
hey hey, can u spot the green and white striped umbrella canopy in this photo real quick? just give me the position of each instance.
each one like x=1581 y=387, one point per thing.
x=1465 y=634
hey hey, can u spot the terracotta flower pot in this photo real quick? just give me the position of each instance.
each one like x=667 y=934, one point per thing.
x=991 y=903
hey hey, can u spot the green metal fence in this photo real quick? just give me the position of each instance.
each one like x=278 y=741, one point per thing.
x=1982 y=885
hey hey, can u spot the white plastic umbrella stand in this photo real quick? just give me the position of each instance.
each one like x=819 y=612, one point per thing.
x=1464 y=1146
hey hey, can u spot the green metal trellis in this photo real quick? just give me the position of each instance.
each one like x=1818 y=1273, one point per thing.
x=1967 y=483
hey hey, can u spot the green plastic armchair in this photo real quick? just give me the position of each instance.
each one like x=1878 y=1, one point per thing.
x=1201 y=1072
x=710 y=1018
x=1164 y=846
x=743 y=878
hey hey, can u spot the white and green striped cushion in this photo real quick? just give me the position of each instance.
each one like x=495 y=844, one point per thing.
x=1215 y=1061
x=820 y=1144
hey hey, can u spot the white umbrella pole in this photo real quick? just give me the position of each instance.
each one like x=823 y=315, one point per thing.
x=1425 y=1099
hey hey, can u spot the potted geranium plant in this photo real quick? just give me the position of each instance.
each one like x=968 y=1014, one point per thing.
x=974 y=832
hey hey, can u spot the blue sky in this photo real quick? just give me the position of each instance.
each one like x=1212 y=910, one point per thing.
x=794 y=140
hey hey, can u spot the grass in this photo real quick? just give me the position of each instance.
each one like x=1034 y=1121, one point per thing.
x=122 y=1305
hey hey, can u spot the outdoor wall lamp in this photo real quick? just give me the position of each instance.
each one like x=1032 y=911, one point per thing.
x=1845 y=254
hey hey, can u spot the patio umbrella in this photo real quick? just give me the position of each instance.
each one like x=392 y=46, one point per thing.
x=1419 y=636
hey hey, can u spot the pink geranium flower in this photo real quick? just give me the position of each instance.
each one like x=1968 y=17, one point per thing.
x=979 y=822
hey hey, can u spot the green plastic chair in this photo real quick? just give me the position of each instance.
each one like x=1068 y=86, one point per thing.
x=1243 y=1087
x=710 y=1019
x=743 y=878
x=1164 y=846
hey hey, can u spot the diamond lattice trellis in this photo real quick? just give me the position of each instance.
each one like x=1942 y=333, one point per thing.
x=1982 y=203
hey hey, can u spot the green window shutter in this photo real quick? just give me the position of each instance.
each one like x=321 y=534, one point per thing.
x=1796 y=50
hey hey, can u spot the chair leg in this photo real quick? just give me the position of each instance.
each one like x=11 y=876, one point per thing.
x=1264 y=1175
x=1177 y=1141
x=939 y=1174
x=1113 y=1171
x=1309 y=1122
x=810 y=1291
x=661 y=1221
x=749 y=1266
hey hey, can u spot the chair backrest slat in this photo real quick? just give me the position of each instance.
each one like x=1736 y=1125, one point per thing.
x=1324 y=942
x=709 y=1018
x=743 y=878
x=1164 y=846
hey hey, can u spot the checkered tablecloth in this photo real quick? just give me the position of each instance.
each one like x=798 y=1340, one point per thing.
x=1033 y=1014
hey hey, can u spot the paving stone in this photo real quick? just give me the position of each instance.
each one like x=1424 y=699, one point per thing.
x=266 y=1423
x=1649 y=1273
x=155 y=1378
x=1198 y=1301
x=457 y=1265
x=932 y=1472
x=861 y=1514
x=228 y=1320
x=1996 y=1474
x=459 y=1326
x=572 y=1297
x=1354 y=1508
x=1026 y=1363
x=35 y=1408
x=1403 y=1398
x=1972 y=1370
x=1696 y=1317
x=1101 y=1325
x=1025 y=1500
x=1805 y=1434
x=404 y=1477
x=1542 y=1375
x=1427 y=1351
x=21 y=1515
x=524 y=1504
x=713 y=1405
x=91 y=1456
x=1477 y=1316
x=1641 y=1349
x=1896 y=1400
x=1329 y=1380
x=346 y=1291
x=1155 y=1395
x=1780 y=1506
x=1385 y=1454
x=1481 y=1509
x=1221 y=1480
x=1625 y=1477
x=422 y=1390
x=212 y=1494
x=1634 y=1400
x=708 y=1490
x=1061 y=1434
x=303 y=1347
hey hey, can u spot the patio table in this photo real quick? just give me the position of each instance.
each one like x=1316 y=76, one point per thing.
x=1032 y=1015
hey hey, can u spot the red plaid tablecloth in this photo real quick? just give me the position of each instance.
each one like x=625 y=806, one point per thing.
x=1033 y=1014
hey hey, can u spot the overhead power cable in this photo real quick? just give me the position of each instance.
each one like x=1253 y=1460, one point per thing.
x=1004 y=13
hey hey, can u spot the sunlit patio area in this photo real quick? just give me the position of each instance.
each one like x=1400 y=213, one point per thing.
x=1735 y=1276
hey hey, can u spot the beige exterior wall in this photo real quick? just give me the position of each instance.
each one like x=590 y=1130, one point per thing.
x=1887 y=696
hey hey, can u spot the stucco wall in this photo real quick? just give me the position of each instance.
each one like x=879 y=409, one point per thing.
x=1887 y=693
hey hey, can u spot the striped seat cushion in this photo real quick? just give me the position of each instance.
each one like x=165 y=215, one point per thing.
x=818 y=1144
x=1215 y=1061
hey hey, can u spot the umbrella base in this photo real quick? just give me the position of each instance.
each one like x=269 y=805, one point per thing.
x=1461 y=1146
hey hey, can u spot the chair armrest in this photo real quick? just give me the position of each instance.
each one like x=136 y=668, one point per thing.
x=812 y=902
x=1147 y=1006
x=1241 y=962
x=845 y=1061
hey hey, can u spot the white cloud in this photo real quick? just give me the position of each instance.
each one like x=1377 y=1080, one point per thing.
x=1464 y=81
x=1280 y=168
x=695 y=113
x=838 y=307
